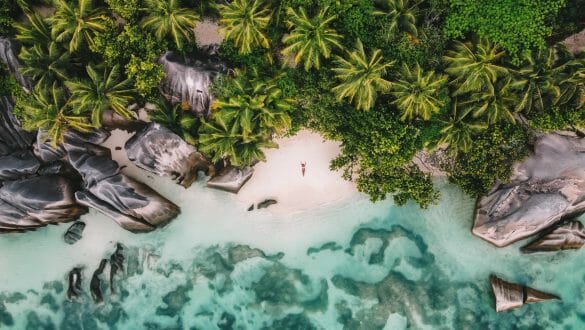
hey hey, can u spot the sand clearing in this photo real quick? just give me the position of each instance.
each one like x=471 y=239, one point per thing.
x=280 y=176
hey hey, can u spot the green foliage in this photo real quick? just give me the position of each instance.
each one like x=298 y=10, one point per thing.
x=310 y=38
x=146 y=76
x=400 y=15
x=245 y=22
x=490 y=158
x=7 y=14
x=127 y=9
x=361 y=77
x=558 y=119
x=8 y=85
x=178 y=120
x=167 y=19
x=516 y=25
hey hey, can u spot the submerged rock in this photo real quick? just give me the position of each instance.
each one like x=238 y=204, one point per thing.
x=95 y=285
x=510 y=295
x=569 y=235
x=73 y=234
x=74 y=279
x=189 y=82
x=158 y=150
x=37 y=201
x=231 y=179
x=266 y=203
x=8 y=51
x=116 y=264
x=132 y=204
x=543 y=190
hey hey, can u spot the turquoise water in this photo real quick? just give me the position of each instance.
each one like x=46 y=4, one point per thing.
x=350 y=264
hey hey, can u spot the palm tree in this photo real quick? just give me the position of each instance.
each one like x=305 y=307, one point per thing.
x=496 y=105
x=36 y=31
x=361 y=77
x=182 y=122
x=45 y=64
x=572 y=79
x=244 y=122
x=475 y=66
x=537 y=80
x=245 y=22
x=48 y=110
x=103 y=91
x=417 y=93
x=311 y=38
x=459 y=129
x=79 y=24
x=167 y=18
x=401 y=15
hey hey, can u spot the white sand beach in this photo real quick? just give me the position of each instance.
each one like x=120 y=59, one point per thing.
x=280 y=176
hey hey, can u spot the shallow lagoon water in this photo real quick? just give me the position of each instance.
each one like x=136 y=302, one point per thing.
x=350 y=264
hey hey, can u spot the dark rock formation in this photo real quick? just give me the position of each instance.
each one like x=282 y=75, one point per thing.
x=188 y=83
x=158 y=150
x=74 y=233
x=231 y=179
x=8 y=52
x=112 y=120
x=266 y=203
x=18 y=164
x=12 y=136
x=545 y=188
x=95 y=285
x=37 y=201
x=74 y=279
x=132 y=204
x=566 y=236
x=510 y=295
x=116 y=264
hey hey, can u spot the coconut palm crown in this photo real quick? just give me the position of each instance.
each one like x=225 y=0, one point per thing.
x=167 y=18
x=417 y=93
x=401 y=15
x=361 y=77
x=245 y=22
x=475 y=66
x=102 y=91
x=311 y=38
x=78 y=24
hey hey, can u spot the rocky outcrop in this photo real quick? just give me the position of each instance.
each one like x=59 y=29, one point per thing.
x=566 y=236
x=74 y=279
x=116 y=264
x=12 y=136
x=95 y=285
x=188 y=81
x=73 y=234
x=36 y=202
x=132 y=204
x=510 y=295
x=8 y=51
x=112 y=120
x=266 y=203
x=158 y=150
x=545 y=188
x=18 y=164
x=231 y=179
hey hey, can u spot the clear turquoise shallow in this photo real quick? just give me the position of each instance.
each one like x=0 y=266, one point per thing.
x=351 y=264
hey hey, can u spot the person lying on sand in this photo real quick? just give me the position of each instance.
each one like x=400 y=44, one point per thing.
x=303 y=167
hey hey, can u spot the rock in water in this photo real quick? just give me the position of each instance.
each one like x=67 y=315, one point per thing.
x=73 y=234
x=132 y=204
x=511 y=295
x=189 y=82
x=8 y=51
x=231 y=179
x=266 y=203
x=95 y=285
x=116 y=264
x=74 y=279
x=36 y=202
x=543 y=190
x=569 y=235
x=158 y=150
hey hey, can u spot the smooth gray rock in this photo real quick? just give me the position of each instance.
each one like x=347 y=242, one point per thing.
x=8 y=55
x=112 y=120
x=74 y=233
x=18 y=164
x=47 y=152
x=189 y=82
x=567 y=236
x=231 y=179
x=134 y=205
x=545 y=188
x=511 y=295
x=266 y=203
x=158 y=150
x=36 y=202
x=12 y=136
